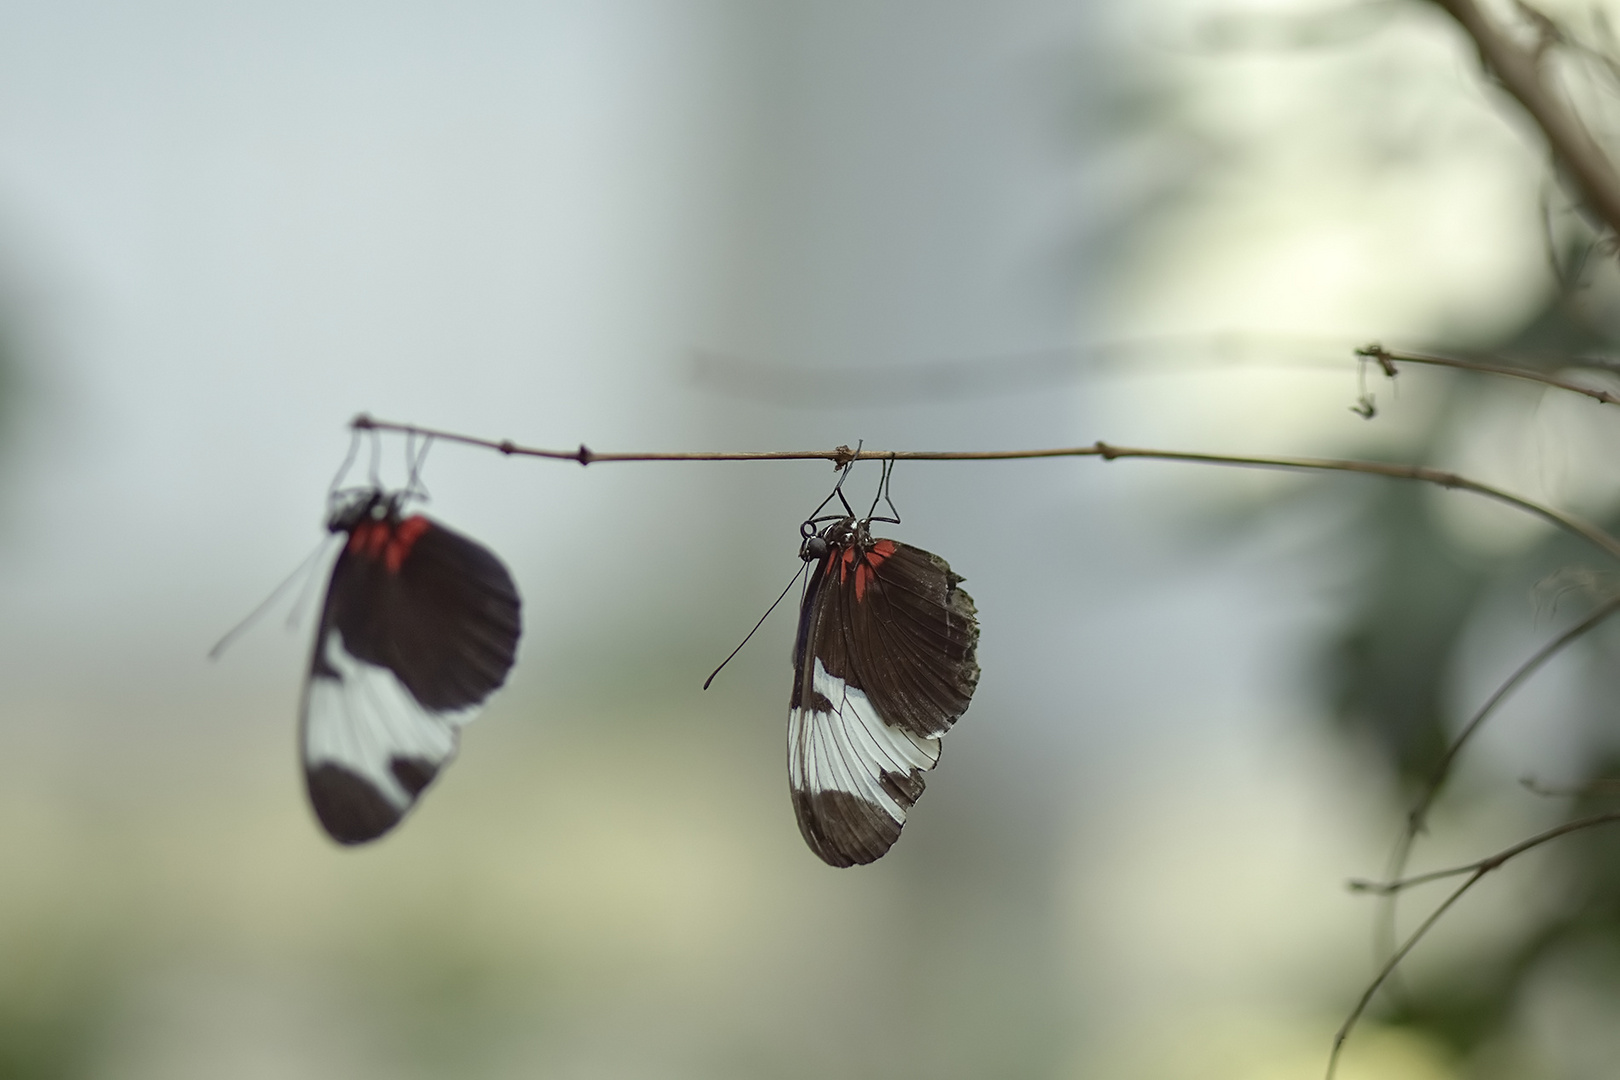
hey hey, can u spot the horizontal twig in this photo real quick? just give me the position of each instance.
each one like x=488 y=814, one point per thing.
x=1387 y=359
x=843 y=455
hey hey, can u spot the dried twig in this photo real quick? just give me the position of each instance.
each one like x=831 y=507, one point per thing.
x=1476 y=871
x=843 y=455
x=1387 y=359
x=1416 y=818
x=1518 y=67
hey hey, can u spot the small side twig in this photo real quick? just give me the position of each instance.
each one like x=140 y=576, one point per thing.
x=1602 y=785
x=1475 y=871
x=1387 y=358
x=1417 y=817
x=1487 y=864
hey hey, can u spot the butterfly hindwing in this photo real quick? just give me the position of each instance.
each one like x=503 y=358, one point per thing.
x=419 y=627
x=884 y=664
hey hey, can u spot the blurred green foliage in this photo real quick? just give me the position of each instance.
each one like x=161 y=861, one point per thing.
x=1390 y=669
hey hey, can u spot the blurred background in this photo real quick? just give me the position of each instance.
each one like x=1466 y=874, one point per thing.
x=714 y=224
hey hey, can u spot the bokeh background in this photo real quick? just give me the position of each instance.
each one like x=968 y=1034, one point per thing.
x=697 y=224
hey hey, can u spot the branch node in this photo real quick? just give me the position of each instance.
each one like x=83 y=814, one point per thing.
x=507 y=447
x=1106 y=451
x=1377 y=352
x=842 y=456
x=584 y=457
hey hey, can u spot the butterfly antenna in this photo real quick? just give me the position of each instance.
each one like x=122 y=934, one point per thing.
x=267 y=603
x=306 y=596
x=757 y=625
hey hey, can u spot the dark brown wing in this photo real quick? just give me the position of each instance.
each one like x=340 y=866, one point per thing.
x=913 y=636
x=883 y=665
x=418 y=629
x=445 y=622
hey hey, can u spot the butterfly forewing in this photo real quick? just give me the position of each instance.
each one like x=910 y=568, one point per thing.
x=419 y=627
x=913 y=635
x=883 y=665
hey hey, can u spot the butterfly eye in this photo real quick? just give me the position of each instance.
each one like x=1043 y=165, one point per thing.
x=814 y=547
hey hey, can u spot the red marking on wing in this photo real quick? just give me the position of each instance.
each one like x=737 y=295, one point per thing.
x=867 y=570
x=404 y=538
x=840 y=560
x=368 y=538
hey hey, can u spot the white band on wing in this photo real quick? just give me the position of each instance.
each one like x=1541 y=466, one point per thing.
x=850 y=748
x=365 y=718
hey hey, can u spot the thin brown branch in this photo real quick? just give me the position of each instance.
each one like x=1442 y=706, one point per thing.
x=1519 y=69
x=1584 y=529
x=1388 y=969
x=1476 y=871
x=1386 y=358
x=1417 y=816
x=843 y=455
x=1603 y=785
x=1490 y=862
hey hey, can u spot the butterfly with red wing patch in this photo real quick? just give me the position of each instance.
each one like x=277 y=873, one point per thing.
x=883 y=664
x=419 y=626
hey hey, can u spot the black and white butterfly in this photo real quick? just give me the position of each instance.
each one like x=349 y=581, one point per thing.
x=883 y=665
x=419 y=626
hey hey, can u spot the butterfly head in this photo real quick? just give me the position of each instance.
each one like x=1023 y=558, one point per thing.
x=351 y=508
x=844 y=532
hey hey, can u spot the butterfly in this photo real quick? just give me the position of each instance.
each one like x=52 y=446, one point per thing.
x=883 y=664
x=419 y=627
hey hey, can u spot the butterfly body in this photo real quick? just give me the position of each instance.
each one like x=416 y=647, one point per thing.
x=419 y=626
x=884 y=663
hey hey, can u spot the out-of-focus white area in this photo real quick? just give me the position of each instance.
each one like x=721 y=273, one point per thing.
x=226 y=229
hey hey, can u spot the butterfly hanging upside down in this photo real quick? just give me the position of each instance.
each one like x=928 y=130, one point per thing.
x=420 y=625
x=882 y=667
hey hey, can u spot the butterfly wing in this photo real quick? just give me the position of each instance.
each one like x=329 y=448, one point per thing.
x=419 y=627
x=883 y=665
x=913 y=635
